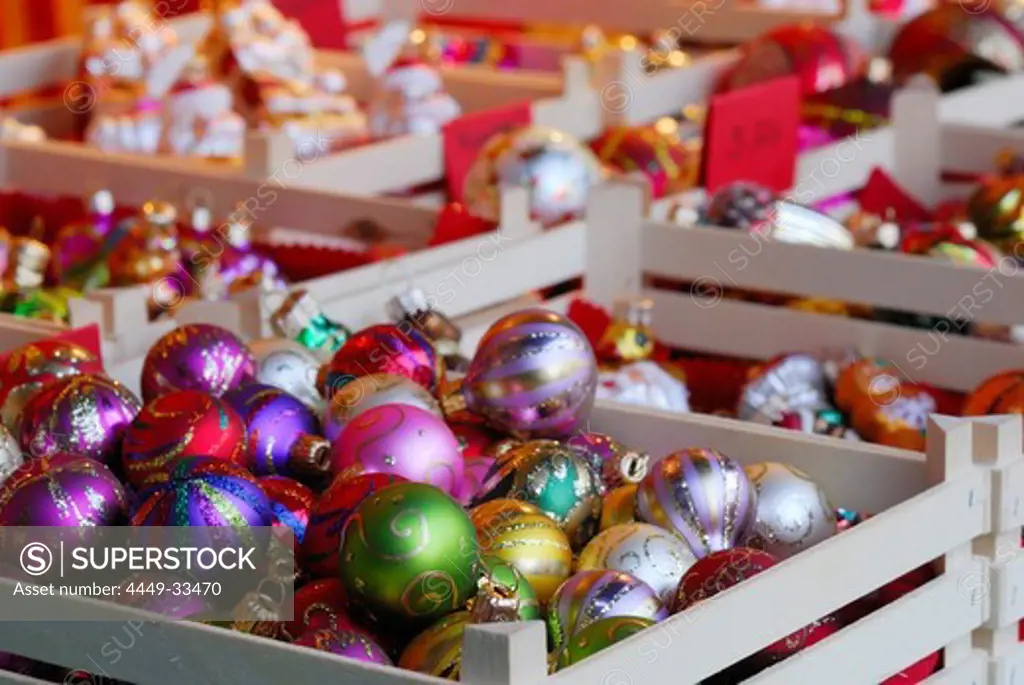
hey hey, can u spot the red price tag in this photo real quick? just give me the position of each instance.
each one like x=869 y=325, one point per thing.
x=882 y=196
x=751 y=135
x=323 y=20
x=465 y=137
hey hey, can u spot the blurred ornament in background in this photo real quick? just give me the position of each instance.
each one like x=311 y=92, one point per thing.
x=996 y=208
x=410 y=99
x=957 y=44
x=77 y=250
x=792 y=383
x=556 y=168
x=823 y=60
x=11 y=456
x=300 y=318
x=149 y=253
x=1000 y=394
x=669 y=164
x=196 y=357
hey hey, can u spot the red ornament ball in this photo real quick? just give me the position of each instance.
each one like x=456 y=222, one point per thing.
x=717 y=572
x=389 y=349
x=180 y=424
x=319 y=604
x=319 y=551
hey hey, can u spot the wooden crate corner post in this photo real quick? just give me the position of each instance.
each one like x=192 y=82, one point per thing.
x=917 y=158
x=505 y=654
x=514 y=213
x=615 y=216
x=998 y=443
x=266 y=153
x=616 y=74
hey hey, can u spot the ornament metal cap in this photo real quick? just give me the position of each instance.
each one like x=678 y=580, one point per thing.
x=413 y=306
x=495 y=602
x=159 y=213
x=102 y=202
x=310 y=455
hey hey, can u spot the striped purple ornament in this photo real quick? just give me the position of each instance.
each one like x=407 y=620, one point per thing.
x=205 y=492
x=590 y=596
x=703 y=496
x=534 y=376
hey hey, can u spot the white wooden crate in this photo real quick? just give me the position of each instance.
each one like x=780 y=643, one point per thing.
x=959 y=503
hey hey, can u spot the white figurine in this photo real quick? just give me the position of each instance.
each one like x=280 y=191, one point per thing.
x=199 y=120
x=411 y=100
x=12 y=129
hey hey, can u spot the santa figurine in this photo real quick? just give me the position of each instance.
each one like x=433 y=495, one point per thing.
x=411 y=100
x=199 y=118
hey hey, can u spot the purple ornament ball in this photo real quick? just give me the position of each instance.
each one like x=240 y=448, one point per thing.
x=702 y=496
x=350 y=644
x=401 y=440
x=85 y=414
x=69 y=492
x=197 y=357
x=284 y=435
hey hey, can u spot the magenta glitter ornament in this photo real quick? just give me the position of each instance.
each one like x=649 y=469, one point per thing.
x=284 y=435
x=402 y=440
x=70 y=492
x=196 y=357
x=85 y=414
x=351 y=644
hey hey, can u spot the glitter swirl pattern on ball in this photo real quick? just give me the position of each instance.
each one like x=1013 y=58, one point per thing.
x=29 y=367
x=291 y=503
x=367 y=392
x=351 y=644
x=385 y=349
x=437 y=651
x=84 y=414
x=534 y=375
x=701 y=495
x=63 y=491
x=793 y=513
x=590 y=596
x=180 y=424
x=196 y=357
x=206 y=492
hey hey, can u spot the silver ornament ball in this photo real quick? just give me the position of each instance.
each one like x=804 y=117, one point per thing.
x=793 y=512
x=287 y=365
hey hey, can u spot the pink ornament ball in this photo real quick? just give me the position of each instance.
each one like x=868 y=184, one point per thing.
x=401 y=440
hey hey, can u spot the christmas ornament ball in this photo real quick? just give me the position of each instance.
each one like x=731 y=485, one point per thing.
x=291 y=503
x=589 y=595
x=374 y=390
x=29 y=367
x=670 y=164
x=652 y=554
x=701 y=495
x=351 y=644
x=504 y=594
x=201 y=491
x=793 y=512
x=196 y=357
x=11 y=456
x=437 y=651
x=318 y=604
x=534 y=376
x=286 y=364
x=1000 y=394
x=283 y=433
x=617 y=464
x=717 y=572
x=385 y=348
x=63 y=491
x=319 y=550
x=555 y=167
x=402 y=440
x=85 y=414
x=598 y=636
x=409 y=553
x=520 y=535
x=559 y=481
x=619 y=506
x=180 y=424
